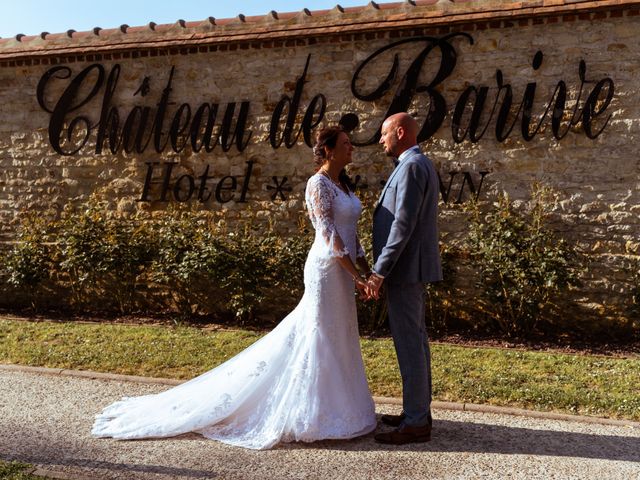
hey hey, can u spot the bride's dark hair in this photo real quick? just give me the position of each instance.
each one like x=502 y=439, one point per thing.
x=328 y=137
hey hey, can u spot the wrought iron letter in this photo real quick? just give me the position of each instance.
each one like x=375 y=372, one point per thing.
x=67 y=103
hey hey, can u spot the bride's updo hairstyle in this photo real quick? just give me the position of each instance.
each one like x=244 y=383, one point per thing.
x=328 y=137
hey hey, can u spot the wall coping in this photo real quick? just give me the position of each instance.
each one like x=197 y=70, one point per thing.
x=408 y=18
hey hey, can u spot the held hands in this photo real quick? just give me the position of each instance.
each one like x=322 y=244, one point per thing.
x=369 y=288
x=373 y=285
x=361 y=286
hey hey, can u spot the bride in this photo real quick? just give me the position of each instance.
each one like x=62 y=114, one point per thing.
x=305 y=380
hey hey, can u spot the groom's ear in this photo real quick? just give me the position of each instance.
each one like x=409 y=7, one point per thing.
x=401 y=132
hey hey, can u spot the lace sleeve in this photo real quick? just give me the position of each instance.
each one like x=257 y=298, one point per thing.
x=319 y=198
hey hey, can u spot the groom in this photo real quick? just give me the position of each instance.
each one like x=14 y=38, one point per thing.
x=406 y=255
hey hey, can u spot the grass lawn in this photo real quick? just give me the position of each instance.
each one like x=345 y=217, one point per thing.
x=568 y=383
x=16 y=471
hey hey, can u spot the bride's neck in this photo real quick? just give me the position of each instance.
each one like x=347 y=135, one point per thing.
x=332 y=171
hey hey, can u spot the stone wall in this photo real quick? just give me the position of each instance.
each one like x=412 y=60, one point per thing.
x=321 y=75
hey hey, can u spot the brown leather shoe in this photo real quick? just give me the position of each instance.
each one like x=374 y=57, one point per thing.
x=405 y=434
x=392 y=420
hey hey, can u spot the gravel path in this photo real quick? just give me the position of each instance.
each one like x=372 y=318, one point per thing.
x=45 y=420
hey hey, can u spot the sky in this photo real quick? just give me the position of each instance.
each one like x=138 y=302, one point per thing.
x=32 y=17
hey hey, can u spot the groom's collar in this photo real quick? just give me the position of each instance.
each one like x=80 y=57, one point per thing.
x=407 y=152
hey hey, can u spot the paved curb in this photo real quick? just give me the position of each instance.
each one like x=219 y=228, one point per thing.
x=438 y=405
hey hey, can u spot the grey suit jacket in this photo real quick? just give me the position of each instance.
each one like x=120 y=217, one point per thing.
x=405 y=230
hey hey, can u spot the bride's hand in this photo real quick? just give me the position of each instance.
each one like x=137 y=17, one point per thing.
x=361 y=286
x=373 y=285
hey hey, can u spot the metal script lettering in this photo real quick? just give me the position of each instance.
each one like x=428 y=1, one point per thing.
x=136 y=132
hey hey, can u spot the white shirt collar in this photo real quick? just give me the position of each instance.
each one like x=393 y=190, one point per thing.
x=408 y=151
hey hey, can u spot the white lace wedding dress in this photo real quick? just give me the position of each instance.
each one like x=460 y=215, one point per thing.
x=303 y=381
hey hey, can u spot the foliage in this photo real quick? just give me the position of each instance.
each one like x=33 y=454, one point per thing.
x=17 y=471
x=187 y=261
x=208 y=267
x=635 y=293
x=247 y=280
x=522 y=265
x=178 y=260
x=291 y=254
x=102 y=255
x=189 y=255
x=439 y=295
x=26 y=265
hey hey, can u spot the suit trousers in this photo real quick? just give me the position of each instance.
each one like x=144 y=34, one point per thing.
x=406 y=306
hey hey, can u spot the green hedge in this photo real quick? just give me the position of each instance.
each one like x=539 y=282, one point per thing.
x=523 y=266
x=187 y=263
x=90 y=260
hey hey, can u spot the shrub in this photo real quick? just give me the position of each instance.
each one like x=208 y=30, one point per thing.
x=439 y=295
x=635 y=295
x=189 y=255
x=250 y=272
x=28 y=263
x=288 y=270
x=208 y=268
x=102 y=255
x=521 y=264
x=176 y=260
x=182 y=260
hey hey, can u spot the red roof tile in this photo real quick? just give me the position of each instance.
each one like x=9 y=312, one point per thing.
x=303 y=24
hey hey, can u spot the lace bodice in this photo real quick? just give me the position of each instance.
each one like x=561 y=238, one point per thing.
x=334 y=214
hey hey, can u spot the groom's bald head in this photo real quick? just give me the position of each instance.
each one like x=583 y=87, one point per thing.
x=399 y=132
